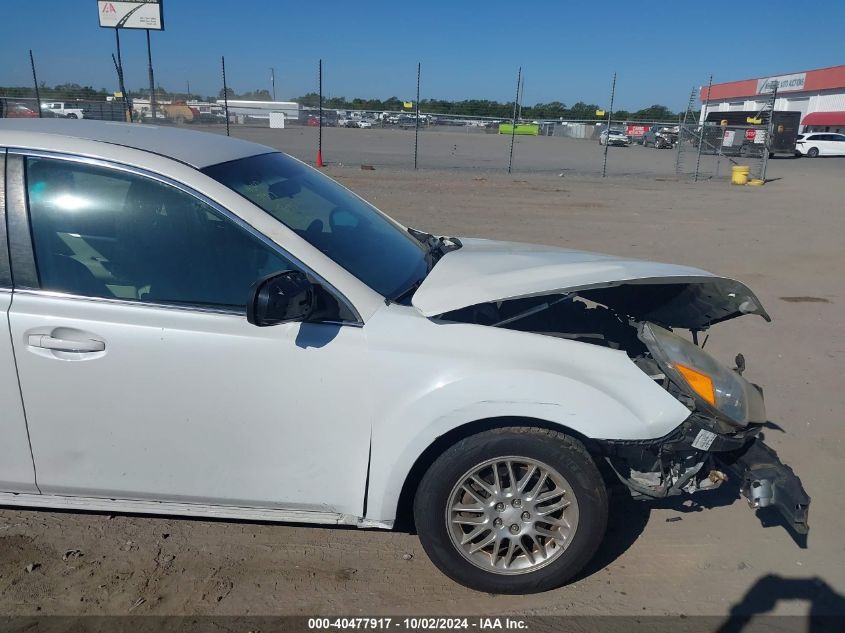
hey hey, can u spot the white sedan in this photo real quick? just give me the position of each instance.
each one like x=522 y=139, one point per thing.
x=614 y=137
x=820 y=144
x=203 y=326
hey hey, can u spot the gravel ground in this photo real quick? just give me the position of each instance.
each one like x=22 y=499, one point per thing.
x=784 y=240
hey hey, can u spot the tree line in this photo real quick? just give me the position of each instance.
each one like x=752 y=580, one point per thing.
x=467 y=107
x=488 y=108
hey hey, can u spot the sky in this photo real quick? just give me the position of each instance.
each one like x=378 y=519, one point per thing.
x=659 y=50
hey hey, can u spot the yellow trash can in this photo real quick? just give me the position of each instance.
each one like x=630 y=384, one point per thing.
x=739 y=174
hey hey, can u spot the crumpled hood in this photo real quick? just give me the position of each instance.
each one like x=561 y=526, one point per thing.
x=671 y=295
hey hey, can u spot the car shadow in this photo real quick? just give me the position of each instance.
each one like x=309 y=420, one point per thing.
x=826 y=606
x=628 y=518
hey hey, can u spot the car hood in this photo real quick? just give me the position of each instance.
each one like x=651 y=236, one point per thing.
x=484 y=271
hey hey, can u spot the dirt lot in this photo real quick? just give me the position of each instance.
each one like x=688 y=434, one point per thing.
x=784 y=240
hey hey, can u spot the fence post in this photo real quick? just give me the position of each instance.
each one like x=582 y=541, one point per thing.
x=119 y=65
x=225 y=94
x=513 y=125
x=35 y=81
x=701 y=133
x=417 y=123
x=152 y=81
x=319 y=161
x=769 y=131
x=609 y=122
x=127 y=111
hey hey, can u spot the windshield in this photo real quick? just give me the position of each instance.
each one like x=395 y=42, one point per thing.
x=330 y=218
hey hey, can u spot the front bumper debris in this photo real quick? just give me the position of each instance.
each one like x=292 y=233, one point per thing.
x=767 y=482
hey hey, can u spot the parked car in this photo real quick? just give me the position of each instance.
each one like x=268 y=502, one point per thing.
x=820 y=144
x=205 y=326
x=62 y=109
x=365 y=124
x=660 y=137
x=15 y=110
x=314 y=121
x=614 y=137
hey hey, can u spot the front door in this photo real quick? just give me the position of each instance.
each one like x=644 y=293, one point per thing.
x=142 y=378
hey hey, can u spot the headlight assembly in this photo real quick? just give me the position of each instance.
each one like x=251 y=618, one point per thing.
x=717 y=389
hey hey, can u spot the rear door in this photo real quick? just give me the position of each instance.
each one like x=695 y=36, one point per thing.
x=16 y=470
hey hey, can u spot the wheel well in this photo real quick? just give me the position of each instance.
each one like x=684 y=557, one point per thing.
x=404 y=508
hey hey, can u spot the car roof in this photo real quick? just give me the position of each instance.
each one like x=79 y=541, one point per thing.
x=198 y=149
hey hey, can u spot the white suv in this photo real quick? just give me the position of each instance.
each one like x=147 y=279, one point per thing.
x=203 y=326
x=820 y=144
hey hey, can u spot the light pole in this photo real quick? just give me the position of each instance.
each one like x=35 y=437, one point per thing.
x=273 y=81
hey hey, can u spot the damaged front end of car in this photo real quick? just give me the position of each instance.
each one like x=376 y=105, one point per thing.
x=721 y=439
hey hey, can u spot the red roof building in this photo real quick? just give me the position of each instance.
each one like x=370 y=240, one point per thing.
x=818 y=94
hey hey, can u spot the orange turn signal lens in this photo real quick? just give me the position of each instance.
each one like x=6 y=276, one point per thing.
x=702 y=384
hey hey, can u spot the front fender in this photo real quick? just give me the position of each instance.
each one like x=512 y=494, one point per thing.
x=405 y=433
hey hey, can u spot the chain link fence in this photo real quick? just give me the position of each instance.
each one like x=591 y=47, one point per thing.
x=427 y=133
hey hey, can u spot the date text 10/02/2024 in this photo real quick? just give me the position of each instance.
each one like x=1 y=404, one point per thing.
x=417 y=623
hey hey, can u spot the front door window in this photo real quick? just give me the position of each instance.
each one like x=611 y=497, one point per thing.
x=100 y=232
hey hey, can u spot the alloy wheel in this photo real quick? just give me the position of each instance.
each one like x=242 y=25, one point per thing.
x=511 y=515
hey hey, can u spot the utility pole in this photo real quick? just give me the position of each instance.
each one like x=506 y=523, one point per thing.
x=273 y=81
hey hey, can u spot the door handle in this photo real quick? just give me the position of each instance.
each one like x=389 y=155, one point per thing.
x=65 y=345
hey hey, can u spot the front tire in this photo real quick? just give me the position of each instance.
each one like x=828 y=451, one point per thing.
x=512 y=510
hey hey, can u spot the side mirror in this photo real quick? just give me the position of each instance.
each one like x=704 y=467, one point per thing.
x=281 y=298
